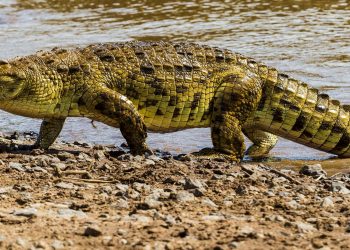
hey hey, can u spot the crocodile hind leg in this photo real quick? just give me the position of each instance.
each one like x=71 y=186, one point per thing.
x=234 y=101
x=49 y=131
x=114 y=109
x=263 y=142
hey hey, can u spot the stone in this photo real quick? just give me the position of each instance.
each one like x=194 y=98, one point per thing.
x=93 y=231
x=152 y=203
x=59 y=165
x=2 y=238
x=213 y=217
x=63 y=156
x=293 y=204
x=5 y=190
x=327 y=202
x=139 y=218
x=184 y=196
x=305 y=227
x=68 y=213
x=191 y=183
x=16 y=166
x=141 y=187
x=21 y=242
x=339 y=187
x=247 y=231
x=133 y=194
x=121 y=204
x=155 y=158
x=149 y=162
x=241 y=190
x=57 y=244
x=99 y=155
x=65 y=185
x=208 y=202
x=170 y=220
x=26 y=212
x=84 y=157
x=39 y=169
x=314 y=170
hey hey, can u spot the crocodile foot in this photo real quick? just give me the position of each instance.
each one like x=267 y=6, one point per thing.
x=210 y=153
x=141 y=150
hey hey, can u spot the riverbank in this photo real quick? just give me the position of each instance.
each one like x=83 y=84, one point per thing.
x=82 y=196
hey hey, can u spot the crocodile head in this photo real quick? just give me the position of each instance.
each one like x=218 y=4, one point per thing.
x=12 y=80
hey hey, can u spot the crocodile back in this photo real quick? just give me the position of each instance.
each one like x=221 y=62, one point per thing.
x=171 y=85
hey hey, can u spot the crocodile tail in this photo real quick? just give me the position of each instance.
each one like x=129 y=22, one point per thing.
x=298 y=112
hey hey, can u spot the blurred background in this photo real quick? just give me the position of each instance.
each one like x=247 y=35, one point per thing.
x=309 y=40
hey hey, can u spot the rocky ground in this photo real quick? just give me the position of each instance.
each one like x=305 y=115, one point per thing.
x=80 y=196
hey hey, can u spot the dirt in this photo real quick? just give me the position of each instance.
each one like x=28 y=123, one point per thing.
x=82 y=196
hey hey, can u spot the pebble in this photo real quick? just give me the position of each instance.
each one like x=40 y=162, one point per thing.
x=68 y=213
x=16 y=166
x=2 y=238
x=5 y=190
x=99 y=155
x=337 y=186
x=151 y=203
x=191 y=183
x=141 y=187
x=208 y=202
x=149 y=162
x=39 y=169
x=314 y=170
x=84 y=157
x=305 y=227
x=93 y=231
x=122 y=232
x=59 y=165
x=327 y=202
x=41 y=245
x=139 y=218
x=21 y=242
x=57 y=244
x=121 y=204
x=170 y=220
x=228 y=203
x=65 y=185
x=133 y=194
x=293 y=204
x=63 y=156
x=184 y=196
x=155 y=158
x=213 y=218
x=247 y=231
x=311 y=220
x=26 y=212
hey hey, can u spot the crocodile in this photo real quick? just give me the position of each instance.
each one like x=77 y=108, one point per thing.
x=164 y=87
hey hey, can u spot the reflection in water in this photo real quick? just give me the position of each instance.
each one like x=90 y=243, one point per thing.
x=307 y=39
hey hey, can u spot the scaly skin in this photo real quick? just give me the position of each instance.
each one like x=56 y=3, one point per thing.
x=167 y=87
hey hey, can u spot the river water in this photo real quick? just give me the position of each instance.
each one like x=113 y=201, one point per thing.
x=309 y=40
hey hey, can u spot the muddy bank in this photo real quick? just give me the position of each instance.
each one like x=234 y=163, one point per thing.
x=82 y=196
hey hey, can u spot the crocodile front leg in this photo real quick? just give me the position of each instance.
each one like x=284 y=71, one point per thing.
x=107 y=106
x=49 y=131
